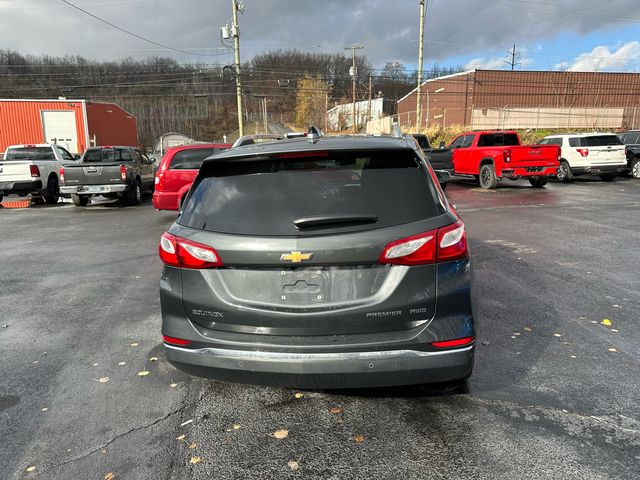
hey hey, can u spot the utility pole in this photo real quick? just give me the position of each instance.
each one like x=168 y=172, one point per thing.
x=420 y=64
x=513 y=55
x=369 y=108
x=354 y=75
x=235 y=31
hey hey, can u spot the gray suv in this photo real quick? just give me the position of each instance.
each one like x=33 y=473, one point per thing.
x=324 y=263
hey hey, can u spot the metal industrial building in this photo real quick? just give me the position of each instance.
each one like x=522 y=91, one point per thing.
x=490 y=99
x=74 y=124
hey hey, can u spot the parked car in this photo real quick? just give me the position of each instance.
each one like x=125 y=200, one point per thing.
x=494 y=155
x=440 y=158
x=631 y=140
x=114 y=172
x=33 y=169
x=600 y=154
x=322 y=263
x=178 y=168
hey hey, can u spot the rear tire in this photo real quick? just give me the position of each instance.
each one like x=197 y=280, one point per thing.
x=564 y=174
x=1 y=196
x=488 y=178
x=52 y=194
x=635 y=169
x=538 y=182
x=79 y=200
x=134 y=195
x=607 y=177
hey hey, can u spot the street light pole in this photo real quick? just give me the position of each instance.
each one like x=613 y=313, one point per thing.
x=420 y=60
x=354 y=73
x=236 y=49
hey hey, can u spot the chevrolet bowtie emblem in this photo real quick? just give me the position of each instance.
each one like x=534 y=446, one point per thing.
x=296 y=257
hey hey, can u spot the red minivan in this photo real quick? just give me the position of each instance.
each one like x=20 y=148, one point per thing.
x=178 y=168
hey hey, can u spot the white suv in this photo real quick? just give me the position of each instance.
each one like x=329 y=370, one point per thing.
x=600 y=154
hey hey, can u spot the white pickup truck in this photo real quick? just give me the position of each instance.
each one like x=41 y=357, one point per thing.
x=33 y=169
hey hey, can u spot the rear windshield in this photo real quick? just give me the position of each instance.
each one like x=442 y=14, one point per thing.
x=30 y=153
x=600 y=141
x=191 y=159
x=265 y=197
x=498 y=140
x=107 y=155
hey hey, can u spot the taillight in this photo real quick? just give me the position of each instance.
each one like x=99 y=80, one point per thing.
x=35 y=171
x=62 y=174
x=583 y=151
x=123 y=173
x=175 y=341
x=458 y=342
x=507 y=155
x=183 y=253
x=159 y=181
x=443 y=244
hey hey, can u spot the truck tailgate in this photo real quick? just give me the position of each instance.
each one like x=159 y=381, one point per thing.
x=15 y=171
x=92 y=174
x=534 y=155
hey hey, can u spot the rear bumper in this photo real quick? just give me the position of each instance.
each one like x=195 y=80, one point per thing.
x=516 y=172
x=165 y=201
x=325 y=370
x=599 y=169
x=93 y=189
x=7 y=188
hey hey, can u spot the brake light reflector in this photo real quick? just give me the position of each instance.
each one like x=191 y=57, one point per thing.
x=35 y=171
x=507 y=155
x=583 y=151
x=180 y=252
x=62 y=174
x=458 y=342
x=175 y=341
x=123 y=173
x=440 y=245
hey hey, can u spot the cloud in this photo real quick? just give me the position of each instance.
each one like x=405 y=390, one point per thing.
x=603 y=58
x=387 y=29
x=486 y=64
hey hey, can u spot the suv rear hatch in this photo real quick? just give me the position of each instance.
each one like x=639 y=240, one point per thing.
x=603 y=149
x=300 y=236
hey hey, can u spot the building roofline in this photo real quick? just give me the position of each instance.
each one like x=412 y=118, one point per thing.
x=466 y=72
x=67 y=100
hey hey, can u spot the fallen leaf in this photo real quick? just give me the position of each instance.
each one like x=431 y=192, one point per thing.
x=122 y=363
x=45 y=409
x=358 y=438
x=527 y=329
x=280 y=434
x=195 y=460
x=153 y=359
x=143 y=373
x=236 y=426
x=135 y=344
x=612 y=349
x=181 y=437
x=293 y=465
x=299 y=395
x=173 y=385
x=335 y=410
x=103 y=379
x=558 y=334
x=110 y=476
x=31 y=468
x=606 y=322
x=193 y=445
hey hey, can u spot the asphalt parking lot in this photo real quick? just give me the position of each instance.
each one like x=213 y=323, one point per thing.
x=554 y=393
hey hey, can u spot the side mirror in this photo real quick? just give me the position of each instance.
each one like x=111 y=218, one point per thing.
x=152 y=160
x=443 y=177
x=442 y=144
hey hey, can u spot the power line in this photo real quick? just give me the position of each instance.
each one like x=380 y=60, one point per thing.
x=128 y=32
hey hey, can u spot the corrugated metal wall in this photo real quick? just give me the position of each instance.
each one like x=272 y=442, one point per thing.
x=513 y=91
x=21 y=121
x=111 y=125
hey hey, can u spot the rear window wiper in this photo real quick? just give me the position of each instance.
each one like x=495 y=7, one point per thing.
x=331 y=220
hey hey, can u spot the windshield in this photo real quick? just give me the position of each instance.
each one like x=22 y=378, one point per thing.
x=191 y=159
x=282 y=196
x=30 y=153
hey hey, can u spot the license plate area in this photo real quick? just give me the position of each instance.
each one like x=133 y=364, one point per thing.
x=302 y=286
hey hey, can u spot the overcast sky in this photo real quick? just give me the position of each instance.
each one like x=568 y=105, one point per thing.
x=568 y=34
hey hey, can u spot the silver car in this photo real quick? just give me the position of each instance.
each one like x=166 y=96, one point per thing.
x=330 y=263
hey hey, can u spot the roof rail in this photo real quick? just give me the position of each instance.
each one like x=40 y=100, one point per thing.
x=251 y=139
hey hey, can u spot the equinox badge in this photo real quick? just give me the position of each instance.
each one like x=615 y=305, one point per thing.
x=295 y=257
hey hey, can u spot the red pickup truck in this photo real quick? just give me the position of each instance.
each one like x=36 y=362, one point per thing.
x=493 y=155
